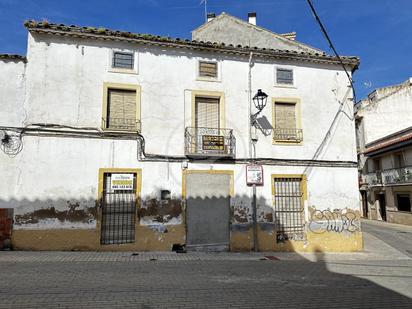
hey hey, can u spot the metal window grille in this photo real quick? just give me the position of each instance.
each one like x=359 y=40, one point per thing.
x=284 y=76
x=285 y=134
x=288 y=208
x=118 y=214
x=123 y=60
x=207 y=69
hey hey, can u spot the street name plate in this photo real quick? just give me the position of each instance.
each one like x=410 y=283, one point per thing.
x=254 y=175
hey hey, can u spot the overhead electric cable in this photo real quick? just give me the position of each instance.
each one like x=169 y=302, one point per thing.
x=331 y=46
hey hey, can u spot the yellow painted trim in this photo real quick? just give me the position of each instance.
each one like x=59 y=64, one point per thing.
x=209 y=94
x=303 y=184
x=216 y=172
x=102 y=171
x=106 y=87
x=137 y=171
x=296 y=102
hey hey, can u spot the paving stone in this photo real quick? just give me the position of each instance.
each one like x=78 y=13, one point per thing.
x=196 y=280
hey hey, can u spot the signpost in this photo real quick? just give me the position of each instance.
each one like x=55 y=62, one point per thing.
x=254 y=177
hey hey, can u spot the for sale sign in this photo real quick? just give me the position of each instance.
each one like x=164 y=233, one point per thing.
x=121 y=182
x=254 y=175
x=213 y=142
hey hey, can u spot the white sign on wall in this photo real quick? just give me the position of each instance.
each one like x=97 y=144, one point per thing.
x=254 y=175
x=122 y=181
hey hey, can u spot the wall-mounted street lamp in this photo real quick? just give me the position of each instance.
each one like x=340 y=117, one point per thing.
x=260 y=100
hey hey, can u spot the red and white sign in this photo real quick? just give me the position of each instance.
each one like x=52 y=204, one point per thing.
x=254 y=175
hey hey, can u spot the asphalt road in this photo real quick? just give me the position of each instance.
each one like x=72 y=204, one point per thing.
x=395 y=235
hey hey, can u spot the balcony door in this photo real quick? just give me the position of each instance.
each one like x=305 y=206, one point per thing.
x=207 y=113
x=207 y=122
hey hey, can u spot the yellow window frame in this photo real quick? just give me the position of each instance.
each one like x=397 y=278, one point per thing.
x=117 y=86
x=296 y=102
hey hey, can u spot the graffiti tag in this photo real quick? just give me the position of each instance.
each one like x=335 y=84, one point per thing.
x=333 y=221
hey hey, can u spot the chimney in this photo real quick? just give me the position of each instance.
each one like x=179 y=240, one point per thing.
x=252 y=18
x=210 y=16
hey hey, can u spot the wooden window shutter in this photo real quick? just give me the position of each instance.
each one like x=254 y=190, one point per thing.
x=207 y=113
x=207 y=69
x=121 y=112
x=285 y=116
x=284 y=76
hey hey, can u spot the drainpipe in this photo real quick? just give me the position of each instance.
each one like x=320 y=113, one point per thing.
x=252 y=154
x=250 y=103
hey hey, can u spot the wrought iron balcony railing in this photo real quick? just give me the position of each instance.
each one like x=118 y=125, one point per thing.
x=287 y=135
x=122 y=124
x=392 y=176
x=205 y=142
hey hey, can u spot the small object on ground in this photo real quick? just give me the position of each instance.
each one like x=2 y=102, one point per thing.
x=271 y=257
x=135 y=253
x=178 y=248
x=153 y=259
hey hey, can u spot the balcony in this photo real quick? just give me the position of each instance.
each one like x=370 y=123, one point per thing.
x=287 y=135
x=209 y=142
x=401 y=175
x=122 y=124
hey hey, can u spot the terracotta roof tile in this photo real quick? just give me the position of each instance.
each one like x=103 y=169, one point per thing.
x=389 y=142
x=13 y=57
x=103 y=33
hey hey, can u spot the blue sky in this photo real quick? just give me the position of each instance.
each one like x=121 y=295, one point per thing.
x=378 y=31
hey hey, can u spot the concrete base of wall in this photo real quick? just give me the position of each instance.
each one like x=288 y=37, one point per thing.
x=148 y=239
x=324 y=242
x=399 y=217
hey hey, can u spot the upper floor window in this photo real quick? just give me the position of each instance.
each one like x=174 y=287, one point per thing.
x=286 y=121
x=208 y=69
x=399 y=160
x=121 y=108
x=123 y=60
x=284 y=76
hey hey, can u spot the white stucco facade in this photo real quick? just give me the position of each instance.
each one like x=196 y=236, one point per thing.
x=62 y=84
x=390 y=106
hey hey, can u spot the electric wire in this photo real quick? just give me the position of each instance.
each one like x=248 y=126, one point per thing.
x=325 y=33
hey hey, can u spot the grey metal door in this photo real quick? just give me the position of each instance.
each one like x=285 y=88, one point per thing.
x=208 y=211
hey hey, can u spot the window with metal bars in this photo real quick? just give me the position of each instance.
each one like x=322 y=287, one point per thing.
x=208 y=69
x=288 y=208
x=118 y=213
x=284 y=76
x=123 y=60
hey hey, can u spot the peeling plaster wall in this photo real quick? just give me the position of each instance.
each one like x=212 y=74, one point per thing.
x=52 y=174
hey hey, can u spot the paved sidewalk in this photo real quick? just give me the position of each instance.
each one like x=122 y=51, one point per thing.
x=375 y=249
